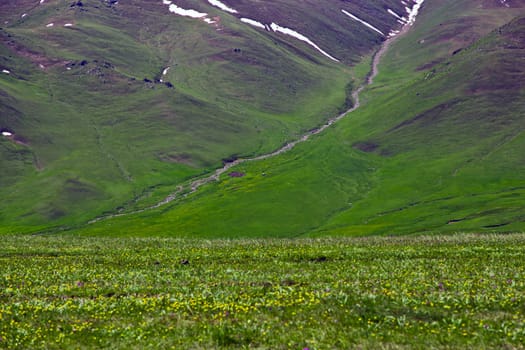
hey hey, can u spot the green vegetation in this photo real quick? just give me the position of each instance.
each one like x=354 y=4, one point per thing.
x=454 y=292
x=95 y=129
x=96 y=126
x=437 y=146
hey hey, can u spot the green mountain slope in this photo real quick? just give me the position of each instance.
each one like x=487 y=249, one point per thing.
x=112 y=104
x=108 y=107
x=437 y=146
x=456 y=161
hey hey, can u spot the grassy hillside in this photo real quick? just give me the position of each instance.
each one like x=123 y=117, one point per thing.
x=452 y=160
x=112 y=112
x=437 y=146
x=454 y=292
x=111 y=105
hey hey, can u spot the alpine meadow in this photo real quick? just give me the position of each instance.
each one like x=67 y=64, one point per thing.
x=256 y=174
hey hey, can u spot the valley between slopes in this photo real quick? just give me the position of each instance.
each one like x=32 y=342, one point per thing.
x=193 y=185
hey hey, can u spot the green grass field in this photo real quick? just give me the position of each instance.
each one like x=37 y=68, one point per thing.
x=435 y=292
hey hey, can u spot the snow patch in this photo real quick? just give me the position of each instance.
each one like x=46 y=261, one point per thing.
x=186 y=13
x=42 y=1
x=413 y=12
x=164 y=72
x=5 y=71
x=363 y=22
x=277 y=28
x=6 y=133
x=23 y=15
x=68 y=25
x=393 y=13
x=222 y=6
x=50 y=25
x=253 y=23
x=393 y=33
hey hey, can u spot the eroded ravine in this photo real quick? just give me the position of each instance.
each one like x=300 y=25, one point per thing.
x=193 y=185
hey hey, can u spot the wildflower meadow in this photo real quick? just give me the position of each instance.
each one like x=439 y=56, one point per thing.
x=461 y=291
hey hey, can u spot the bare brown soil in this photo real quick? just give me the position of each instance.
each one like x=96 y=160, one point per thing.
x=236 y=174
x=37 y=58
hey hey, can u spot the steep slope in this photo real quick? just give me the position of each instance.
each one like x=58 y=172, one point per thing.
x=109 y=105
x=438 y=146
x=455 y=162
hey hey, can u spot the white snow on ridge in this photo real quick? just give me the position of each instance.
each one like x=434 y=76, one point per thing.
x=6 y=133
x=363 y=22
x=253 y=23
x=50 y=25
x=277 y=28
x=412 y=13
x=393 y=33
x=23 y=15
x=42 y=1
x=68 y=25
x=222 y=6
x=396 y=15
x=5 y=71
x=186 y=13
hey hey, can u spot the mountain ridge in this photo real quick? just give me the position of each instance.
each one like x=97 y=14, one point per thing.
x=192 y=119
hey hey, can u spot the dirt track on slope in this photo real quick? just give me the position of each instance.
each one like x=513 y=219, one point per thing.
x=193 y=185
